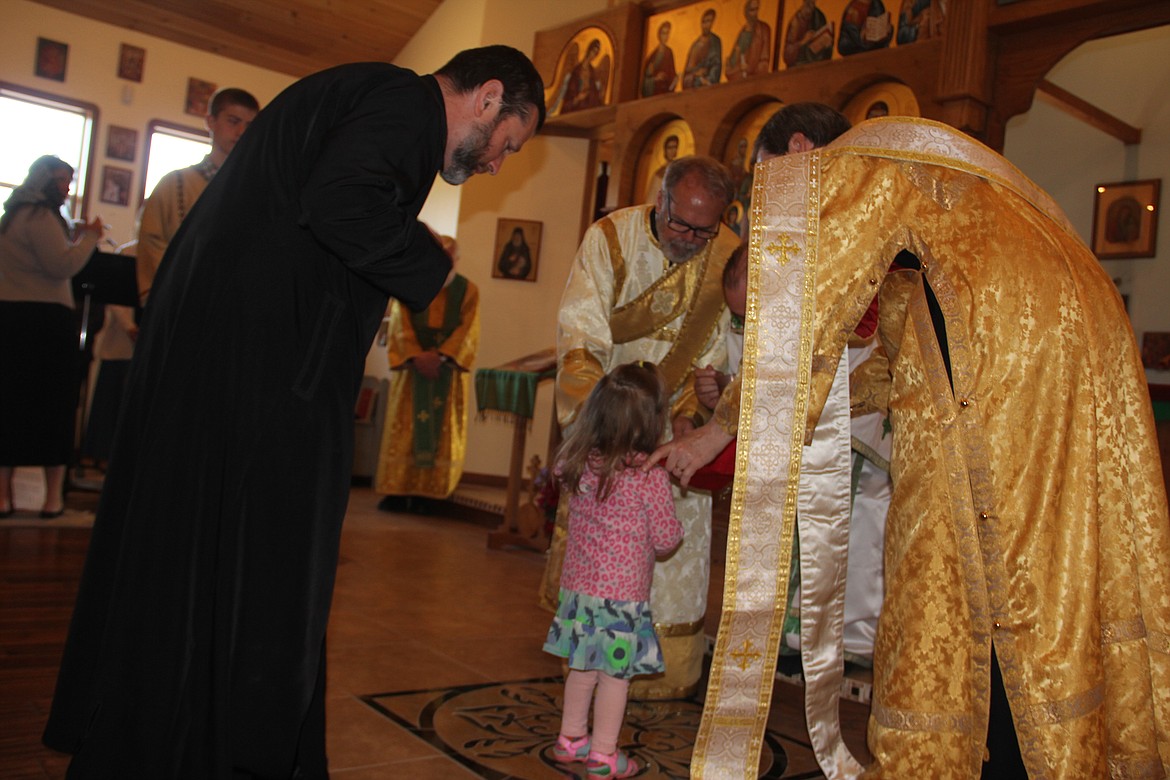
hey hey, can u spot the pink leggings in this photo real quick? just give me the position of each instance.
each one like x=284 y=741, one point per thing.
x=608 y=711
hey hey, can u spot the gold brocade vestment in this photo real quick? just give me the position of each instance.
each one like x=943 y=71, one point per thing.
x=1028 y=509
x=398 y=471
x=623 y=302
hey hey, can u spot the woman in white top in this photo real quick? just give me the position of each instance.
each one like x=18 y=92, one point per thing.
x=38 y=330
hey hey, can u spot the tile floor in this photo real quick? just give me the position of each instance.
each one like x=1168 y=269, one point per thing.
x=435 y=666
x=435 y=662
x=421 y=603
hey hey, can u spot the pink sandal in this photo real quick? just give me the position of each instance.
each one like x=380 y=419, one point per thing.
x=567 y=750
x=614 y=765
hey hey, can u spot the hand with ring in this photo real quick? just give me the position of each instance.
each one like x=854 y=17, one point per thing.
x=685 y=454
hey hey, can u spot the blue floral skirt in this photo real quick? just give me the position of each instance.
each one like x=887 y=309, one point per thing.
x=614 y=637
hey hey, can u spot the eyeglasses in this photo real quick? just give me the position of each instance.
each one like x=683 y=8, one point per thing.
x=679 y=226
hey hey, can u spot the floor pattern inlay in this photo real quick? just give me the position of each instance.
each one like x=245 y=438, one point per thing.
x=505 y=731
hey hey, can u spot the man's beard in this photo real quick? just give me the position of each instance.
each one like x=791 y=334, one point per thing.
x=676 y=250
x=468 y=156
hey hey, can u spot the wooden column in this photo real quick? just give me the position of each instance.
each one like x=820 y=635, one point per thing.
x=963 y=89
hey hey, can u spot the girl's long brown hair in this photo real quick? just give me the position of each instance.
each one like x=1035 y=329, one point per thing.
x=626 y=412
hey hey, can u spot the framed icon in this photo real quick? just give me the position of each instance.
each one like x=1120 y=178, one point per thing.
x=697 y=44
x=199 y=94
x=1156 y=351
x=121 y=143
x=52 y=57
x=584 y=73
x=116 y=185
x=130 y=62
x=669 y=141
x=886 y=98
x=1125 y=219
x=517 y=253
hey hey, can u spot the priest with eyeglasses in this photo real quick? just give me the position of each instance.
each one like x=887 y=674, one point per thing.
x=646 y=284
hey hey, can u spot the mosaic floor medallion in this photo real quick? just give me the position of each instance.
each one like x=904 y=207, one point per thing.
x=506 y=730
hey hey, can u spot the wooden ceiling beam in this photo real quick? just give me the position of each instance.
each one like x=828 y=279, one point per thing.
x=1087 y=112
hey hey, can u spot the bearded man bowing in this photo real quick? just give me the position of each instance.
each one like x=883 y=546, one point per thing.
x=197 y=644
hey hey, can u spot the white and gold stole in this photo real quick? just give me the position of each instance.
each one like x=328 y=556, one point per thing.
x=778 y=350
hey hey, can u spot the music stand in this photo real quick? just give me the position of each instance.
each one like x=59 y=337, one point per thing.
x=106 y=278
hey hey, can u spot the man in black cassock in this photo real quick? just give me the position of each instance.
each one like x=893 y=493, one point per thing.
x=197 y=643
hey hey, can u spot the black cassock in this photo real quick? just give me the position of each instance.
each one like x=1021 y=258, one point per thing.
x=197 y=644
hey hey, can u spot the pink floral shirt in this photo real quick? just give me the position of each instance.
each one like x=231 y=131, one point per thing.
x=612 y=544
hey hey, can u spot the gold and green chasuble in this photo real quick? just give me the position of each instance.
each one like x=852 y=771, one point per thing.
x=424 y=440
x=623 y=301
x=1028 y=508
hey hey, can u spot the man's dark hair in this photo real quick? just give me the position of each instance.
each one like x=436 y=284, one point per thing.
x=714 y=175
x=819 y=123
x=231 y=96
x=523 y=87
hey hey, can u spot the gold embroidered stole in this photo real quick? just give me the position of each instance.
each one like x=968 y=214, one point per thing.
x=766 y=487
x=694 y=288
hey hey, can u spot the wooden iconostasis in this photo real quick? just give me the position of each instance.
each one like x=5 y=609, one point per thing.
x=652 y=80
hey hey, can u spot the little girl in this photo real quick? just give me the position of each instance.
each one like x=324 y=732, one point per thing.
x=620 y=518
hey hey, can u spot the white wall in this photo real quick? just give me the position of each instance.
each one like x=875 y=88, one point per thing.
x=546 y=182
x=454 y=26
x=1127 y=76
x=91 y=76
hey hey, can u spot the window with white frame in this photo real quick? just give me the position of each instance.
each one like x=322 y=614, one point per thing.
x=33 y=124
x=169 y=147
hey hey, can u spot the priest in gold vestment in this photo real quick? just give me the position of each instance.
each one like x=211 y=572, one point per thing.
x=1028 y=531
x=647 y=285
x=424 y=439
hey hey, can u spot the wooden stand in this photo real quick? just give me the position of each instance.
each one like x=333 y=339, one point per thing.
x=523 y=524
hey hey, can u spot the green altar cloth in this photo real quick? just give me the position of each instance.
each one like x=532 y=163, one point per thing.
x=510 y=389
